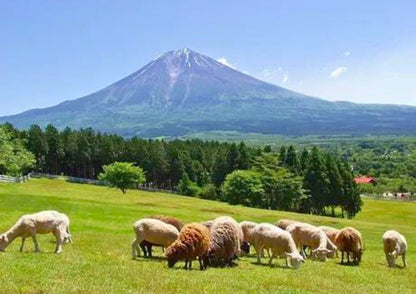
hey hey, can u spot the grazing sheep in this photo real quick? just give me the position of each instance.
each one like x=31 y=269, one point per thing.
x=208 y=224
x=331 y=233
x=43 y=222
x=394 y=245
x=279 y=241
x=248 y=239
x=193 y=242
x=153 y=231
x=146 y=246
x=226 y=237
x=284 y=223
x=349 y=240
x=313 y=237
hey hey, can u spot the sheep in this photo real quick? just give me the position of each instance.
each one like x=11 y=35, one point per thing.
x=225 y=236
x=394 y=245
x=313 y=237
x=284 y=223
x=43 y=222
x=153 y=231
x=349 y=240
x=279 y=241
x=331 y=233
x=193 y=242
x=146 y=246
x=247 y=228
x=208 y=224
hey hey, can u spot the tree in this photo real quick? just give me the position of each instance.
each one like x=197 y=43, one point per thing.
x=291 y=159
x=122 y=175
x=186 y=186
x=244 y=187
x=14 y=157
x=316 y=181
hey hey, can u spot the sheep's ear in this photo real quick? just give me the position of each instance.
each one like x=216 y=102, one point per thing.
x=2 y=237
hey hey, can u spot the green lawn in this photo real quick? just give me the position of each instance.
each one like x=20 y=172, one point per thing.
x=99 y=260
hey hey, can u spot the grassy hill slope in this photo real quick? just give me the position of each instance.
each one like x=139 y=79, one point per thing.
x=99 y=260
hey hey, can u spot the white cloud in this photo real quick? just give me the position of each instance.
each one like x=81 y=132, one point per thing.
x=224 y=61
x=347 y=53
x=285 y=78
x=338 y=72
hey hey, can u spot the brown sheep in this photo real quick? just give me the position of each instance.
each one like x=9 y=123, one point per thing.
x=193 y=242
x=349 y=240
x=146 y=246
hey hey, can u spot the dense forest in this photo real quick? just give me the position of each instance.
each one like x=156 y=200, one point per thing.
x=309 y=180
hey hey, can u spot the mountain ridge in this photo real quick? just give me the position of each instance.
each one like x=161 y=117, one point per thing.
x=182 y=92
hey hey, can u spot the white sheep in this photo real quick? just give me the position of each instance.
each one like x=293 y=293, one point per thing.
x=331 y=233
x=308 y=235
x=153 y=231
x=394 y=245
x=285 y=223
x=43 y=222
x=279 y=241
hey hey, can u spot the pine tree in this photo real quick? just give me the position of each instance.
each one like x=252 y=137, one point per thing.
x=291 y=159
x=316 y=181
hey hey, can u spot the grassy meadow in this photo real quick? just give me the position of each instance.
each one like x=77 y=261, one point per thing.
x=99 y=260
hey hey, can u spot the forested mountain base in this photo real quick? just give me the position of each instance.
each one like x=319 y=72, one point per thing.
x=309 y=181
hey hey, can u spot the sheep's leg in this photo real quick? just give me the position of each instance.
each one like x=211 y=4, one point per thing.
x=190 y=264
x=35 y=241
x=287 y=263
x=23 y=244
x=404 y=259
x=259 y=250
x=201 y=265
x=143 y=249
x=186 y=264
x=271 y=259
x=342 y=257
x=134 y=252
x=149 y=251
x=348 y=257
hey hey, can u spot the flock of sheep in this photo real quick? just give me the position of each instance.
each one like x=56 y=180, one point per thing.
x=221 y=240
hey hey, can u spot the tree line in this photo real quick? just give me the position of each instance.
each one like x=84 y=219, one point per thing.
x=309 y=181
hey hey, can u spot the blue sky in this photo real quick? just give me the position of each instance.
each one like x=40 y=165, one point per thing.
x=362 y=51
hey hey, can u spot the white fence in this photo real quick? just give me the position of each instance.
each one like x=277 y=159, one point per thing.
x=74 y=180
x=10 y=179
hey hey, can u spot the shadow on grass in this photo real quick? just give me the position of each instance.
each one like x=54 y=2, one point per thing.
x=274 y=265
x=147 y=259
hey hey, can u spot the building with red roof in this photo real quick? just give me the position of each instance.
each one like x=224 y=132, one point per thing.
x=365 y=180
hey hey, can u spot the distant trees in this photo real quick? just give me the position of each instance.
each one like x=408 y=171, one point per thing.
x=122 y=175
x=309 y=180
x=15 y=159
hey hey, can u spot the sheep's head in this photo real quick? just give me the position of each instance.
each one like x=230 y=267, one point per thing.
x=174 y=253
x=245 y=247
x=321 y=253
x=358 y=255
x=296 y=259
x=3 y=242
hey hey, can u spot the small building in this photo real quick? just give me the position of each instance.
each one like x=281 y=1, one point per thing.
x=365 y=180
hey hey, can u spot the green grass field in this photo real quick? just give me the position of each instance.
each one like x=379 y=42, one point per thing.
x=99 y=260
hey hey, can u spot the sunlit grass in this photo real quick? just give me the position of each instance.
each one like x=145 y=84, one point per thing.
x=99 y=260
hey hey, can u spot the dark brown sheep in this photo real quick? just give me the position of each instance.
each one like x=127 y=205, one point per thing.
x=193 y=242
x=147 y=246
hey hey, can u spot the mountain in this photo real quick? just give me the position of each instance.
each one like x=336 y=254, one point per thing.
x=184 y=92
